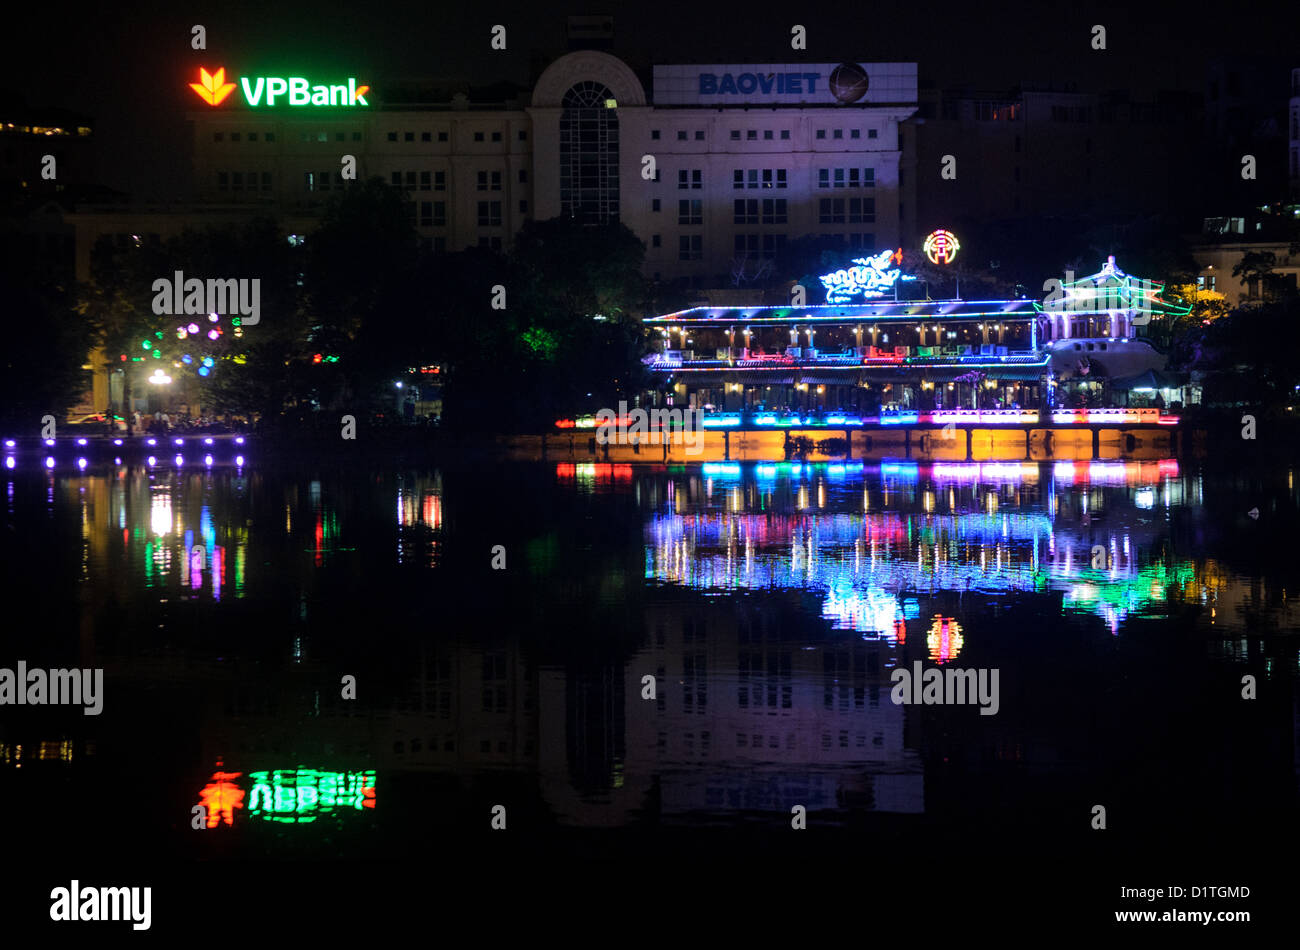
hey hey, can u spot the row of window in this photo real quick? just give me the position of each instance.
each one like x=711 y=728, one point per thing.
x=354 y=136
x=775 y=211
x=752 y=135
x=690 y=247
x=846 y=178
x=252 y=136
x=443 y=136
x=692 y=179
x=243 y=181
x=745 y=211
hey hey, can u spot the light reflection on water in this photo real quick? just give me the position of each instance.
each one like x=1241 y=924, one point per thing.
x=769 y=602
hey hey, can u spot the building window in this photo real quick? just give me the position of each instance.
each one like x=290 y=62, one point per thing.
x=774 y=211
x=837 y=134
x=735 y=135
x=496 y=136
x=767 y=135
x=785 y=135
x=523 y=207
x=690 y=247
x=269 y=137
x=223 y=181
x=397 y=179
x=426 y=214
x=862 y=210
x=478 y=136
x=234 y=136
x=523 y=176
x=699 y=135
x=439 y=181
x=266 y=181
x=830 y=210
x=489 y=214
x=252 y=136
x=392 y=136
x=442 y=136
x=589 y=151
x=681 y=135
x=871 y=133
x=745 y=211
x=690 y=178
x=821 y=133
x=426 y=136
x=218 y=136
x=855 y=133
x=654 y=204
x=439 y=214
x=408 y=136
x=426 y=181
x=654 y=135
x=489 y=181
x=690 y=211
x=654 y=240
x=751 y=135
x=523 y=135
x=492 y=243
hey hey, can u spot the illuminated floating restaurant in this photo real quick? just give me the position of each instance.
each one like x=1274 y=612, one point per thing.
x=964 y=360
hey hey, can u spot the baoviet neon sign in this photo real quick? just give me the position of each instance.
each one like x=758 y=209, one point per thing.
x=212 y=88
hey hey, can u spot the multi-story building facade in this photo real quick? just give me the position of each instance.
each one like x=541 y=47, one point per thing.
x=714 y=171
x=1042 y=151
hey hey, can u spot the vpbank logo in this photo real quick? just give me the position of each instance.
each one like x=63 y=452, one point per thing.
x=212 y=88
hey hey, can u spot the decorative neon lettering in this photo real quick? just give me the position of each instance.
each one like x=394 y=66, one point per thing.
x=868 y=278
x=212 y=88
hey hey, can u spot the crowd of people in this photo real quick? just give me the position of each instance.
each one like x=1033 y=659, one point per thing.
x=163 y=422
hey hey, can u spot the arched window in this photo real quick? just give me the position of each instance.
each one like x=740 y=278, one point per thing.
x=589 y=154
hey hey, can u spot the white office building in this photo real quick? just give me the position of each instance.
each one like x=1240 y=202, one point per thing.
x=714 y=167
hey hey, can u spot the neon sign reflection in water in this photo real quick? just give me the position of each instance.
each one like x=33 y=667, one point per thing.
x=220 y=797
x=302 y=795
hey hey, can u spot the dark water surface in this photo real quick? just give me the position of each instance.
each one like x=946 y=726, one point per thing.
x=1120 y=603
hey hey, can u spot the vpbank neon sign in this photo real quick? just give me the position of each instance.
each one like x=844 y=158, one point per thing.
x=212 y=88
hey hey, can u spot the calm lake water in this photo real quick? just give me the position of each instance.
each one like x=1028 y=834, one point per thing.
x=1121 y=604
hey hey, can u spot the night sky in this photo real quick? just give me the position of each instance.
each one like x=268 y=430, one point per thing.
x=127 y=65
